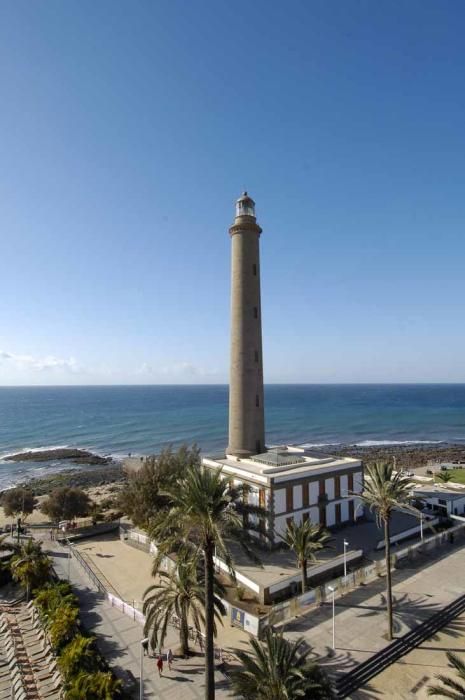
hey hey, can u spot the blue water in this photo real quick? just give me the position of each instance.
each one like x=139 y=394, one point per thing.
x=143 y=419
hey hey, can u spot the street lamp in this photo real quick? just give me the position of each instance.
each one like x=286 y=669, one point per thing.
x=346 y=544
x=333 y=591
x=69 y=551
x=143 y=642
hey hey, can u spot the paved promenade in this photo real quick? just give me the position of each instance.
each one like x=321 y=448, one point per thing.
x=118 y=638
x=360 y=619
x=410 y=676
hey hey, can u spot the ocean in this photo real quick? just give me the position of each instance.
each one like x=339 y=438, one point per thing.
x=143 y=419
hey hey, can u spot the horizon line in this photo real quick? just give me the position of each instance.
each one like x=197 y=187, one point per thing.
x=224 y=384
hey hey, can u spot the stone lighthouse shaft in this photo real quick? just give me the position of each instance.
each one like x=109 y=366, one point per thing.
x=246 y=408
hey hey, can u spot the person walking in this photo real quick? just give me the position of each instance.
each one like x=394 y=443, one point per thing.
x=145 y=646
x=160 y=665
x=169 y=658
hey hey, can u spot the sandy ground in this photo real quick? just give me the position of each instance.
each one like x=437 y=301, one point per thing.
x=96 y=493
x=128 y=570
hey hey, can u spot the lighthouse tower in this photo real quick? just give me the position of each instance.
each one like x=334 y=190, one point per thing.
x=246 y=410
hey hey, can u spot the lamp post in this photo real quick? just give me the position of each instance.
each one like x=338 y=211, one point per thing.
x=143 y=642
x=333 y=591
x=346 y=544
x=68 y=543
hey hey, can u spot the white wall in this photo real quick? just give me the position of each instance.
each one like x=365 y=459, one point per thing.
x=315 y=515
x=344 y=485
x=280 y=524
x=280 y=501
x=329 y=488
x=358 y=484
x=314 y=491
x=297 y=496
x=253 y=497
x=344 y=510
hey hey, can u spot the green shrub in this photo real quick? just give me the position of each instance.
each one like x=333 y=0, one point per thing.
x=100 y=685
x=64 y=625
x=78 y=655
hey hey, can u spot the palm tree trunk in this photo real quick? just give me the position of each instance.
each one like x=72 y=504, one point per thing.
x=209 y=623
x=387 y=540
x=184 y=636
x=304 y=575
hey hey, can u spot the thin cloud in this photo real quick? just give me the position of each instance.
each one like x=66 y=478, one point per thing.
x=39 y=364
x=177 y=370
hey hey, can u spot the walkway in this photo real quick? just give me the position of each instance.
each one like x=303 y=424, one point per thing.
x=419 y=591
x=409 y=677
x=118 y=638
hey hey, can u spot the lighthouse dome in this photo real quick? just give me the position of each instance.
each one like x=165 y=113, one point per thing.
x=245 y=206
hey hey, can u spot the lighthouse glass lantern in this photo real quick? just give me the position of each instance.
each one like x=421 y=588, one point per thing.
x=245 y=206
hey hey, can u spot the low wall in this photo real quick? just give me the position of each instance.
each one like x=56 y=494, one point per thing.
x=238 y=617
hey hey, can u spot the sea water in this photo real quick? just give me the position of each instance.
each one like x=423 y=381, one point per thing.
x=118 y=420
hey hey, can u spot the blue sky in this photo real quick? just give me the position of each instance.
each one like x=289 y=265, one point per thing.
x=127 y=130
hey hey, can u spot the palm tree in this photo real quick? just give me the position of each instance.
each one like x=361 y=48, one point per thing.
x=30 y=566
x=180 y=593
x=206 y=510
x=277 y=669
x=383 y=492
x=452 y=688
x=443 y=476
x=305 y=539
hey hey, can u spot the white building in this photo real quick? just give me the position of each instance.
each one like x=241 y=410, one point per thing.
x=442 y=500
x=293 y=483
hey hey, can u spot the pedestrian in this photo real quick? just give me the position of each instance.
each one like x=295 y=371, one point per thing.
x=160 y=665
x=169 y=658
x=145 y=645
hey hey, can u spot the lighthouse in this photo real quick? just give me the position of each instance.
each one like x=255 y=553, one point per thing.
x=246 y=408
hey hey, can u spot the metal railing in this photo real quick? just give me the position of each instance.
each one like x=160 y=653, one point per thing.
x=98 y=578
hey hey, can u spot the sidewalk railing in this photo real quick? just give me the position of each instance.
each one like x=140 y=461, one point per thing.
x=97 y=577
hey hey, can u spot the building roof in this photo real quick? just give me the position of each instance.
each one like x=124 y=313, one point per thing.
x=280 y=463
x=446 y=495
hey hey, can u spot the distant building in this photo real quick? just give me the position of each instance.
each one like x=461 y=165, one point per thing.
x=290 y=482
x=442 y=500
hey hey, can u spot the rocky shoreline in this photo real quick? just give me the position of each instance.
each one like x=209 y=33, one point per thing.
x=80 y=478
x=69 y=454
x=100 y=471
x=409 y=456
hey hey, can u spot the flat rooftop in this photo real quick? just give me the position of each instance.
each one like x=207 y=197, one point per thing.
x=281 y=461
x=439 y=491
